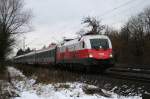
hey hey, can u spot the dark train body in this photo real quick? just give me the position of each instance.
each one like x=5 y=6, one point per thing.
x=88 y=51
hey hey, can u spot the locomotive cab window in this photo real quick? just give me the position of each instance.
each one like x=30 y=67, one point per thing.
x=99 y=43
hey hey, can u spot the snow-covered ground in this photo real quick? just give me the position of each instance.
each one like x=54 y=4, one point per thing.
x=28 y=89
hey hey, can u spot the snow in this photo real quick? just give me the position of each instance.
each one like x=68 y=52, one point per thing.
x=29 y=89
x=74 y=92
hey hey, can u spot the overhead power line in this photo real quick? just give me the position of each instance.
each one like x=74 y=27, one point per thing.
x=116 y=8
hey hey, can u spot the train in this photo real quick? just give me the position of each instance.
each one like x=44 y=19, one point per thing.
x=88 y=51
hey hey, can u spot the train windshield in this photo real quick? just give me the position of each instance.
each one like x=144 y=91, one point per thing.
x=99 y=43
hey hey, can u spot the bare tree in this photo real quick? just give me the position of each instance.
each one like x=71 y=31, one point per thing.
x=135 y=37
x=94 y=24
x=146 y=21
x=14 y=20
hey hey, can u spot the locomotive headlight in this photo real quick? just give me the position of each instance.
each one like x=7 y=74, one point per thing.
x=90 y=55
x=111 y=55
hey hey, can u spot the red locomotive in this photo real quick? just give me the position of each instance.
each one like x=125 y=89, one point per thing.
x=87 y=51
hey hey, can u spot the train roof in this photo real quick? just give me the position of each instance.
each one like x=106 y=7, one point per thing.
x=84 y=37
x=37 y=51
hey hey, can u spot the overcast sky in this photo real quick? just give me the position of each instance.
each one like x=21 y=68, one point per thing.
x=55 y=19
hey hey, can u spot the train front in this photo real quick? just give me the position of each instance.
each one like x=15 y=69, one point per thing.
x=100 y=50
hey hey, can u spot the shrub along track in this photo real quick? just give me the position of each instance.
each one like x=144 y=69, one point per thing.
x=140 y=73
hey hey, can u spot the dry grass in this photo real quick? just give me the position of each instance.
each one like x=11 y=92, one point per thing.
x=6 y=88
x=99 y=91
x=61 y=86
x=49 y=75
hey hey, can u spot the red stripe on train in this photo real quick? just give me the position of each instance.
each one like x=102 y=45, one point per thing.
x=86 y=53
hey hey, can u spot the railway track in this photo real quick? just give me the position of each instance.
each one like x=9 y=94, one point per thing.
x=129 y=74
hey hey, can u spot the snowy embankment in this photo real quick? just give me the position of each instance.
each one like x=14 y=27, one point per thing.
x=27 y=88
